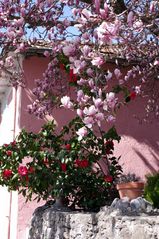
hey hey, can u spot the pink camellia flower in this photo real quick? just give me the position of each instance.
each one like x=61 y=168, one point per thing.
x=66 y=103
x=7 y=173
x=22 y=170
x=82 y=132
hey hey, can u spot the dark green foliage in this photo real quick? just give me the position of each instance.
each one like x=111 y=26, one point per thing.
x=151 y=191
x=58 y=164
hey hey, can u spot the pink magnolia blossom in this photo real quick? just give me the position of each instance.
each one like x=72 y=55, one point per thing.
x=66 y=102
x=80 y=113
x=85 y=15
x=69 y=50
x=97 y=5
x=156 y=62
x=98 y=102
x=108 y=76
x=153 y=4
x=111 y=99
x=130 y=18
x=78 y=66
x=117 y=73
x=89 y=121
x=82 y=82
x=111 y=119
x=99 y=117
x=82 y=132
x=97 y=61
x=107 y=32
x=86 y=50
x=90 y=111
x=81 y=97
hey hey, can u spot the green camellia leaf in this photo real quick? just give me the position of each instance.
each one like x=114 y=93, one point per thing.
x=15 y=176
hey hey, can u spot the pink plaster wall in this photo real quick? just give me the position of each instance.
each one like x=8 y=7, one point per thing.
x=139 y=146
x=33 y=68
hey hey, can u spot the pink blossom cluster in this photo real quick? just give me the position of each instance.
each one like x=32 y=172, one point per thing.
x=82 y=38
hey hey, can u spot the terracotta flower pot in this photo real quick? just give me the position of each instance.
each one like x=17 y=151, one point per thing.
x=131 y=189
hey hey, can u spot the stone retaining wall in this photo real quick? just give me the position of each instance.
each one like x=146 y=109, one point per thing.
x=49 y=223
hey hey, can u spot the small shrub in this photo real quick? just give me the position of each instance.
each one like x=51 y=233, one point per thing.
x=151 y=191
x=126 y=178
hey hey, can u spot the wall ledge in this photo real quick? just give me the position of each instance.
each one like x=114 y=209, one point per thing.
x=49 y=223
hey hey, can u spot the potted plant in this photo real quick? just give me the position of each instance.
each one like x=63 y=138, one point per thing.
x=129 y=185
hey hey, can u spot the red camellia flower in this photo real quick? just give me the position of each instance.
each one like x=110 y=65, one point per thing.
x=31 y=170
x=68 y=146
x=46 y=161
x=6 y=145
x=13 y=143
x=108 y=178
x=9 y=153
x=81 y=163
x=133 y=95
x=22 y=170
x=26 y=180
x=7 y=173
x=110 y=144
x=84 y=163
x=63 y=167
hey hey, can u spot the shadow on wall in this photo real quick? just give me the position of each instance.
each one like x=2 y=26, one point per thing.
x=139 y=147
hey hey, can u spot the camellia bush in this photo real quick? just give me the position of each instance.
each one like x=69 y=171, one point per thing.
x=47 y=165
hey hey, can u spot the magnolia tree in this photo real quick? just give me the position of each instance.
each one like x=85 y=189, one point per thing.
x=79 y=39
x=79 y=36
